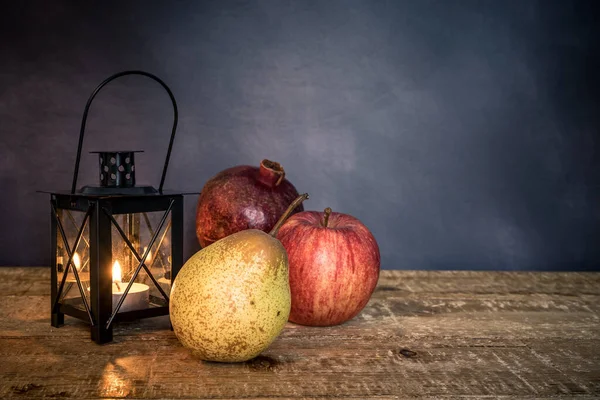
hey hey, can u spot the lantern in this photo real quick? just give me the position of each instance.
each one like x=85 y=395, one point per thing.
x=116 y=247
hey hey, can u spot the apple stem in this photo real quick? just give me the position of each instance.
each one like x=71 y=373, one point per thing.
x=326 y=216
x=287 y=213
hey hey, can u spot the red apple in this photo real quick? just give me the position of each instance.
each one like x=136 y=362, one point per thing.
x=334 y=266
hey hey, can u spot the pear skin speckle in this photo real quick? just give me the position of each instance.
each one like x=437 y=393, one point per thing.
x=232 y=299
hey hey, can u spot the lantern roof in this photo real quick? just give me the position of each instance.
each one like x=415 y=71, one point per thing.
x=116 y=193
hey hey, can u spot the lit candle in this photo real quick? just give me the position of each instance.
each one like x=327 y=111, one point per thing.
x=149 y=258
x=77 y=261
x=138 y=296
x=83 y=276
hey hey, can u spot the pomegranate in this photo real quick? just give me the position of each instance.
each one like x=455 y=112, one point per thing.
x=243 y=197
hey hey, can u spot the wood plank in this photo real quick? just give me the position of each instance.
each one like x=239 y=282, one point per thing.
x=36 y=281
x=438 y=335
x=21 y=281
x=162 y=368
x=518 y=319
x=482 y=282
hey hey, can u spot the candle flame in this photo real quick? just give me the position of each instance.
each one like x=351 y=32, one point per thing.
x=116 y=271
x=149 y=258
x=76 y=261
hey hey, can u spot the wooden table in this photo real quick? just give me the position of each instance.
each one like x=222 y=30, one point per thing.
x=423 y=334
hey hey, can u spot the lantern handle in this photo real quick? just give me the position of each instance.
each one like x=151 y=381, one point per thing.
x=87 y=108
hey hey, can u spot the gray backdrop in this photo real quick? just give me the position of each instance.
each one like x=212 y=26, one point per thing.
x=464 y=134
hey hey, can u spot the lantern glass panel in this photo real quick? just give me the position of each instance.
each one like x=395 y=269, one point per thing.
x=71 y=222
x=139 y=229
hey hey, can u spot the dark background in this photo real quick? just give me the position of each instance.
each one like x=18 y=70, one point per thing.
x=464 y=134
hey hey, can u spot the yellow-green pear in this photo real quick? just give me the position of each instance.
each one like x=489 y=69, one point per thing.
x=232 y=299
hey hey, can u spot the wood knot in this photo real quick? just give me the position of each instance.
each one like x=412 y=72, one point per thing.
x=262 y=363
x=408 y=353
x=25 y=388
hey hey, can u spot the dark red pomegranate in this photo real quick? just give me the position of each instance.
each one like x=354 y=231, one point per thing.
x=243 y=197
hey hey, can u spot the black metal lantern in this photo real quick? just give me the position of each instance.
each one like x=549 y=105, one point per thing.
x=116 y=247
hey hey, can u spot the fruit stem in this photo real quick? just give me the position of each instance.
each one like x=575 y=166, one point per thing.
x=326 y=217
x=287 y=213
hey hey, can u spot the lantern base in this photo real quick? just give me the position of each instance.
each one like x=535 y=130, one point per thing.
x=101 y=335
x=57 y=320
x=109 y=191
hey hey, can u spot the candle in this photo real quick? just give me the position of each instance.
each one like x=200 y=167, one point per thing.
x=165 y=284
x=138 y=296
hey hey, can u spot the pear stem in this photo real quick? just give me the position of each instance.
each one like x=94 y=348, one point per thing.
x=326 y=217
x=287 y=213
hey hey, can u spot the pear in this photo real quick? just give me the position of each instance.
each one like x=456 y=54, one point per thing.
x=231 y=299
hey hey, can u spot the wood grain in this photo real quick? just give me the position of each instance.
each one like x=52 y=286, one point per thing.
x=499 y=335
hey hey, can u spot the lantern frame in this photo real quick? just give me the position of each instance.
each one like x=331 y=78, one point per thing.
x=101 y=206
x=100 y=215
